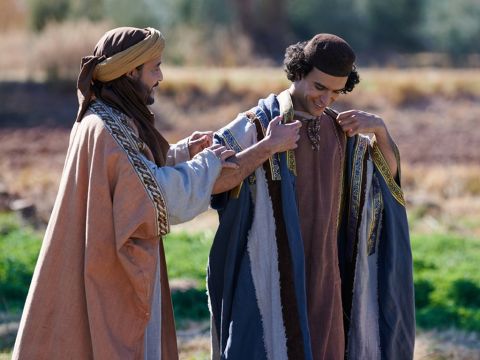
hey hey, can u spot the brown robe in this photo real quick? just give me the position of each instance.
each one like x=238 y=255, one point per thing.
x=319 y=174
x=92 y=288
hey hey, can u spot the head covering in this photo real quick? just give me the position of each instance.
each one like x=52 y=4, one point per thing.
x=330 y=54
x=103 y=74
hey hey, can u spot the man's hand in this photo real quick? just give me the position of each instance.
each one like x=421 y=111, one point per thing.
x=354 y=122
x=282 y=137
x=199 y=141
x=223 y=154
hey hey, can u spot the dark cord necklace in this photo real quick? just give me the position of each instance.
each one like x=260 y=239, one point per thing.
x=313 y=132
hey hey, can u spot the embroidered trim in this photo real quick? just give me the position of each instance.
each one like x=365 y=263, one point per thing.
x=384 y=170
x=117 y=125
x=231 y=141
x=356 y=185
x=288 y=113
x=376 y=223
x=273 y=161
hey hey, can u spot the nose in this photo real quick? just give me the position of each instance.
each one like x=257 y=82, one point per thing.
x=160 y=76
x=324 y=98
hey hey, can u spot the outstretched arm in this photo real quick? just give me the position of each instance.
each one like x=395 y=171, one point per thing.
x=354 y=122
x=278 y=138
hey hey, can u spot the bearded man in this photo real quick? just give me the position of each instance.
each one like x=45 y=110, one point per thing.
x=100 y=288
x=312 y=257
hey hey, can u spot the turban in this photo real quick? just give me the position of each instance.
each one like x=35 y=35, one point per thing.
x=113 y=67
x=330 y=54
x=116 y=53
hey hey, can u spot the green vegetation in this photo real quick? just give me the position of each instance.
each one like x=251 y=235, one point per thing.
x=370 y=25
x=19 y=249
x=187 y=255
x=447 y=281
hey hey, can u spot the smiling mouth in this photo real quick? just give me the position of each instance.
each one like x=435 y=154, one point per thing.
x=319 y=105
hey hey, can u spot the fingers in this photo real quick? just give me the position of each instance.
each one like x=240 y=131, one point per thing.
x=215 y=147
x=297 y=124
x=225 y=154
x=346 y=114
x=276 y=121
x=229 y=165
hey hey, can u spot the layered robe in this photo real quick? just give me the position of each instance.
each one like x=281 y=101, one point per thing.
x=100 y=288
x=312 y=257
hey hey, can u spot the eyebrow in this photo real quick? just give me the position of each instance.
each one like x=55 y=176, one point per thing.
x=321 y=85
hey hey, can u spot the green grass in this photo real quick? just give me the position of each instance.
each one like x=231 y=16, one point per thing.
x=187 y=255
x=19 y=247
x=447 y=281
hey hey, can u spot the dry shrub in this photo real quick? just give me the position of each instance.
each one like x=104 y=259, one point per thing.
x=450 y=181
x=215 y=46
x=13 y=15
x=411 y=86
x=443 y=198
x=59 y=48
x=16 y=52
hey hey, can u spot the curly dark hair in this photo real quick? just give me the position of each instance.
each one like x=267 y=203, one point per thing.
x=296 y=66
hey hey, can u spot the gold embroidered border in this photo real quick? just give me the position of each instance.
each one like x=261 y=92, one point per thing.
x=384 y=170
x=273 y=161
x=287 y=111
x=376 y=222
x=118 y=127
x=356 y=185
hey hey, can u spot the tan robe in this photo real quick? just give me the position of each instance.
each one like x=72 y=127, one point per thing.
x=319 y=174
x=91 y=291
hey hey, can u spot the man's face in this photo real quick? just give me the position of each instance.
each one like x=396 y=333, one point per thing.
x=148 y=78
x=316 y=91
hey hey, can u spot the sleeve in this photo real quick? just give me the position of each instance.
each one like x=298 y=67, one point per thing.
x=187 y=186
x=238 y=135
x=178 y=153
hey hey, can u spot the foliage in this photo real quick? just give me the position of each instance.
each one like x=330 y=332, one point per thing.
x=19 y=249
x=187 y=254
x=447 y=281
x=452 y=26
x=45 y=11
x=373 y=27
x=190 y=304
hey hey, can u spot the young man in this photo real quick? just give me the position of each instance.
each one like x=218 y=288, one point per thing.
x=100 y=288
x=312 y=257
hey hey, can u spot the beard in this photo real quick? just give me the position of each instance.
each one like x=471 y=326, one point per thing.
x=146 y=93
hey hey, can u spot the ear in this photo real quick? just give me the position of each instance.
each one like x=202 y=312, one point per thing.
x=132 y=74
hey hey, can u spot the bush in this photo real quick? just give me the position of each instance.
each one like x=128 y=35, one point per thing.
x=19 y=250
x=465 y=293
x=447 y=282
x=190 y=304
x=423 y=289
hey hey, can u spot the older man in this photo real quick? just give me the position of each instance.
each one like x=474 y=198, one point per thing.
x=100 y=287
x=312 y=257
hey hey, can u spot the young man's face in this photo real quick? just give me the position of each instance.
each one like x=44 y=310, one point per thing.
x=149 y=77
x=316 y=91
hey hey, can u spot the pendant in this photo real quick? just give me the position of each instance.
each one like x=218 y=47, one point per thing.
x=313 y=133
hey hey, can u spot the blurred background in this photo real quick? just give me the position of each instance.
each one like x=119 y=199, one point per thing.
x=419 y=64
